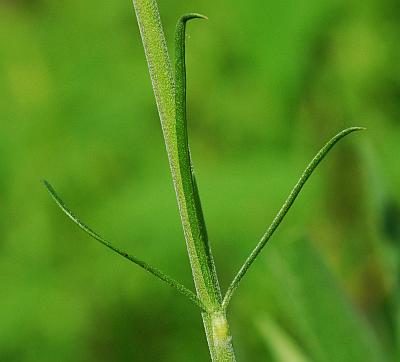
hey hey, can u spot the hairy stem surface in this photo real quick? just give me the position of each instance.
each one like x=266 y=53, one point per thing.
x=164 y=90
x=171 y=107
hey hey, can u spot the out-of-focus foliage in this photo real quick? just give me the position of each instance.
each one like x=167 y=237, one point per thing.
x=268 y=84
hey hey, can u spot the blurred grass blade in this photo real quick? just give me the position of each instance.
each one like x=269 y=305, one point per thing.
x=308 y=299
x=156 y=272
x=284 y=210
x=283 y=347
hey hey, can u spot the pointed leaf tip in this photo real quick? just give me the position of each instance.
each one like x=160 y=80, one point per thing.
x=149 y=268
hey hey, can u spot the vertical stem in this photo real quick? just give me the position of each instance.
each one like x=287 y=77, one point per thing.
x=163 y=85
x=160 y=69
x=215 y=323
x=218 y=337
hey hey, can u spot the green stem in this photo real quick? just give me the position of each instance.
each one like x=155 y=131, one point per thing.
x=161 y=75
x=173 y=122
x=218 y=337
x=164 y=91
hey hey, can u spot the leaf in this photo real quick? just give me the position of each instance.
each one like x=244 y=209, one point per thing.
x=198 y=239
x=284 y=210
x=152 y=270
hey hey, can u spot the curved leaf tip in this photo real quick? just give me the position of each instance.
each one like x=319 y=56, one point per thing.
x=186 y=17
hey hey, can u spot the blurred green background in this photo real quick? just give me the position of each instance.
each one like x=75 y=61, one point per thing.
x=268 y=83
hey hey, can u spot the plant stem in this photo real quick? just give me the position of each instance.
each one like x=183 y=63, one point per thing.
x=204 y=275
x=218 y=337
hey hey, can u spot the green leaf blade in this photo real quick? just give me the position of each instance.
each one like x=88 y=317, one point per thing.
x=152 y=270
x=199 y=244
x=284 y=210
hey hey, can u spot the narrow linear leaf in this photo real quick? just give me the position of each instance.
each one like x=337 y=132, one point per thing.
x=156 y=272
x=189 y=186
x=201 y=259
x=185 y=160
x=284 y=210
